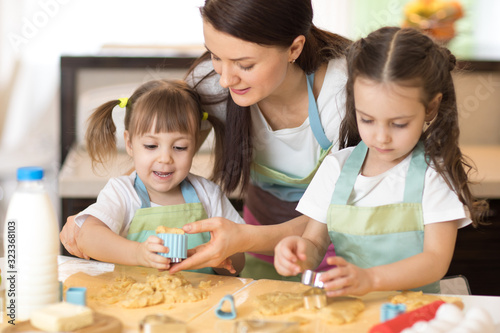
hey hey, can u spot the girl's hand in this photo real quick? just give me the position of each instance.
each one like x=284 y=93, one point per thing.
x=147 y=254
x=227 y=264
x=290 y=255
x=68 y=236
x=346 y=279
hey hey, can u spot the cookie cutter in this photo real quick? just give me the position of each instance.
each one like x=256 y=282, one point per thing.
x=390 y=311
x=311 y=278
x=314 y=298
x=77 y=295
x=224 y=314
x=177 y=245
x=159 y=323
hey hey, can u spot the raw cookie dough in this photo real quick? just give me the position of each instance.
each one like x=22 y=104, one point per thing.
x=340 y=311
x=416 y=299
x=157 y=289
x=277 y=303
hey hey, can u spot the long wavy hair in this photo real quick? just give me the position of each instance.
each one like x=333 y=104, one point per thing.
x=271 y=23
x=158 y=105
x=409 y=57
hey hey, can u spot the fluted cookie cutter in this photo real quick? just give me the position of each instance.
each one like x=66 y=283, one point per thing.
x=311 y=278
x=177 y=245
x=314 y=298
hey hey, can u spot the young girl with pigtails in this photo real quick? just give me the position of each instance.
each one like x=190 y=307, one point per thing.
x=162 y=124
x=392 y=200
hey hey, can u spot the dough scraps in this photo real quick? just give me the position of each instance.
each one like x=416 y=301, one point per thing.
x=416 y=299
x=157 y=289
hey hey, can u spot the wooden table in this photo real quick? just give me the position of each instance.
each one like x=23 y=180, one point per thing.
x=200 y=316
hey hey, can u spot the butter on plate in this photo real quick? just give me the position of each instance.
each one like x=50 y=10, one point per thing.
x=62 y=317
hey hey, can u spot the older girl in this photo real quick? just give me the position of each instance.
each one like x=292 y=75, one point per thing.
x=393 y=199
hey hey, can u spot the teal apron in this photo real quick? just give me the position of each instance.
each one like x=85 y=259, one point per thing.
x=259 y=266
x=374 y=236
x=147 y=218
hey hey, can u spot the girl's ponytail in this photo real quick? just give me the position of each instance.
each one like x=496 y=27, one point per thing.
x=100 y=134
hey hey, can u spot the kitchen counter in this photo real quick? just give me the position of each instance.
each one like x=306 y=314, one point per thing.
x=200 y=316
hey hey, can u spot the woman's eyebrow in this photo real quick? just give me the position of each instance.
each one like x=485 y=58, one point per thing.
x=236 y=59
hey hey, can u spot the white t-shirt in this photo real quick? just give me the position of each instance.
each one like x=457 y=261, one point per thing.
x=293 y=151
x=439 y=202
x=118 y=201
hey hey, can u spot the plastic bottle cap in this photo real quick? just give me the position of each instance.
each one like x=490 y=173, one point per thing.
x=30 y=173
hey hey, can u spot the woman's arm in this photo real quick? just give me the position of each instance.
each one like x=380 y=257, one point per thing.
x=228 y=238
x=99 y=242
x=413 y=272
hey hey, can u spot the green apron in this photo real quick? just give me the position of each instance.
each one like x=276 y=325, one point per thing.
x=374 y=236
x=147 y=218
x=259 y=266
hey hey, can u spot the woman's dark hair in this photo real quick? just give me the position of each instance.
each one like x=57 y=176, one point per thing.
x=158 y=106
x=410 y=58
x=269 y=23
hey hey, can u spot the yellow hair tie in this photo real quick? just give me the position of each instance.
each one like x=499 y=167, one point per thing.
x=123 y=102
x=205 y=116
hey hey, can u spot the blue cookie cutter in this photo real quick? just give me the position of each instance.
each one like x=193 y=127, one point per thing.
x=389 y=311
x=226 y=315
x=76 y=295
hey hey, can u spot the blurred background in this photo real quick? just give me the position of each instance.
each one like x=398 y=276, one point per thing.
x=35 y=34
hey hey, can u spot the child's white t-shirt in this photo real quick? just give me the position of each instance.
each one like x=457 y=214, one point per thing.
x=439 y=202
x=118 y=201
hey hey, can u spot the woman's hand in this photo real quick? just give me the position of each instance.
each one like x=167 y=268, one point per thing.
x=346 y=279
x=68 y=237
x=223 y=243
x=147 y=253
x=290 y=256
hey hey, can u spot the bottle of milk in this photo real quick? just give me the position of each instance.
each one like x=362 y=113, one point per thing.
x=31 y=246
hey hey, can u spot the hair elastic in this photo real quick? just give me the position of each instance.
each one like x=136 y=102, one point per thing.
x=205 y=116
x=123 y=102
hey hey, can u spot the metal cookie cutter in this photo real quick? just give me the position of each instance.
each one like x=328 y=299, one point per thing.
x=159 y=323
x=314 y=298
x=311 y=278
x=223 y=314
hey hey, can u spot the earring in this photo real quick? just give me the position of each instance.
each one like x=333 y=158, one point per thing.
x=427 y=123
x=293 y=61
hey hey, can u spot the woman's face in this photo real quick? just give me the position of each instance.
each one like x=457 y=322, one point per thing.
x=251 y=72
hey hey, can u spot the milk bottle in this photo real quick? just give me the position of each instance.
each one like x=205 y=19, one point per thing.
x=31 y=246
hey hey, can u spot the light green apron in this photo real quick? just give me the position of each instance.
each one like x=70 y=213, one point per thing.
x=374 y=236
x=147 y=218
x=259 y=266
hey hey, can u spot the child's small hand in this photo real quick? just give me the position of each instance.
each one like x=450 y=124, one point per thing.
x=227 y=264
x=147 y=254
x=289 y=255
x=346 y=279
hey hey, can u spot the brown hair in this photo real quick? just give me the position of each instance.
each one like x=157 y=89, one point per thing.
x=271 y=23
x=406 y=56
x=159 y=105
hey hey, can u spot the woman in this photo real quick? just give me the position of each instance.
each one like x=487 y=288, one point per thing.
x=277 y=82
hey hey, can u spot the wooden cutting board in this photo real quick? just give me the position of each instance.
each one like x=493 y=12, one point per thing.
x=130 y=318
x=314 y=322
x=102 y=324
